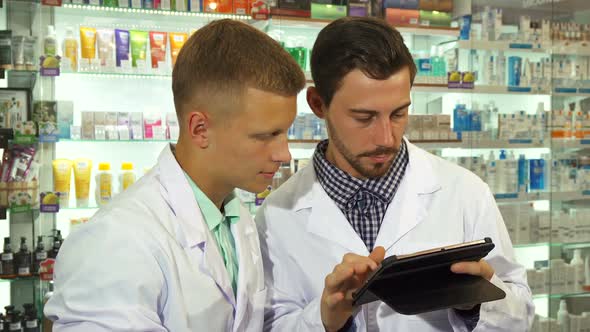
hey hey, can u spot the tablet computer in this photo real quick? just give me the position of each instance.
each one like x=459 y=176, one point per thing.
x=423 y=281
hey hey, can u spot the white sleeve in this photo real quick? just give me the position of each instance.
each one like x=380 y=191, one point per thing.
x=516 y=311
x=106 y=279
x=283 y=312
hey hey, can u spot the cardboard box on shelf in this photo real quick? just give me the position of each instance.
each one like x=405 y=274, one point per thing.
x=396 y=16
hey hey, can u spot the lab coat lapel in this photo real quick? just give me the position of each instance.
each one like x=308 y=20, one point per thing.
x=192 y=232
x=327 y=221
x=410 y=203
x=250 y=265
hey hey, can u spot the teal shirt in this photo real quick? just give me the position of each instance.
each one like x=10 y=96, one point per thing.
x=219 y=225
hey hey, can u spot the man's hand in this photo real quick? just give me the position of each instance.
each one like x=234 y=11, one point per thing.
x=347 y=277
x=481 y=268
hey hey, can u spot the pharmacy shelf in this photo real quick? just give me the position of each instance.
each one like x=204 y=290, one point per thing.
x=564 y=246
x=298 y=22
x=557 y=144
x=486 y=45
x=563 y=144
x=147 y=13
x=419 y=87
x=78 y=208
x=20 y=279
x=114 y=141
x=479 y=89
x=559 y=296
x=557 y=47
x=503 y=144
x=118 y=75
x=543 y=196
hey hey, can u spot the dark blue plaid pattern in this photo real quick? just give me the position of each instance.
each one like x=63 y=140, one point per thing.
x=363 y=202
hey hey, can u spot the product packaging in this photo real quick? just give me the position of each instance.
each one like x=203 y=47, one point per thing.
x=82 y=175
x=62 y=174
x=106 y=46
x=158 y=48
x=139 y=40
x=122 y=46
x=177 y=40
x=6 y=49
x=88 y=43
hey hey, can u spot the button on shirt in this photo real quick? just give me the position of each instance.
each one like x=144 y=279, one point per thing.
x=363 y=202
x=219 y=225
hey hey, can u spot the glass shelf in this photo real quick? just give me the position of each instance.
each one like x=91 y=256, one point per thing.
x=78 y=208
x=543 y=196
x=555 y=47
x=418 y=87
x=564 y=246
x=138 y=141
x=150 y=12
x=32 y=278
x=297 y=22
x=108 y=75
x=559 y=296
x=429 y=145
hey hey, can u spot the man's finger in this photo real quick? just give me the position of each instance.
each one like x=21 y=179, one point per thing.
x=334 y=299
x=377 y=255
x=336 y=279
x=472 y=268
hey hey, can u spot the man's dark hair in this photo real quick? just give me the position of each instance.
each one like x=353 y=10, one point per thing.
x=350 y=43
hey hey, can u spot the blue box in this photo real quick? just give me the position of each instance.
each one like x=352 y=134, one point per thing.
x=514 y=70
x=404 y=4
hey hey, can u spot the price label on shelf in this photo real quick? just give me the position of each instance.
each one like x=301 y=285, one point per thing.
x=54 y=3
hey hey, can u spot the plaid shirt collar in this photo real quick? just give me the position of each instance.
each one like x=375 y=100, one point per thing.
x=342 y=188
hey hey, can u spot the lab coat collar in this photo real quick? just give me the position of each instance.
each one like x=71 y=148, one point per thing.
x=192 y=232
x=405 y=212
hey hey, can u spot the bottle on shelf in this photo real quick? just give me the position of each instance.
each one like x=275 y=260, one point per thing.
x=56 y=245
x=104 y=184
x=15 y=323
x=50 y=42
x=127 y=176
x=23 y=259
x=30 y=319
x=70 y=48
x=500 y=69
x=578 y=264
x=40 y=255
x=563 y=318
x=8 y=270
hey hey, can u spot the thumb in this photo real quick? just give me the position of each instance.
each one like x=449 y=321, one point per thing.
x=377 y=255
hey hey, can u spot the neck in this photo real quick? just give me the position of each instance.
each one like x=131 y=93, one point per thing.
x=199 y=170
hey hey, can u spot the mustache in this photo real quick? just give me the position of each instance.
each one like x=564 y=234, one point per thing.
x=379 y=152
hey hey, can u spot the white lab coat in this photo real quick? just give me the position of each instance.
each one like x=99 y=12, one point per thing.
x=147 y=262
x=304 y=235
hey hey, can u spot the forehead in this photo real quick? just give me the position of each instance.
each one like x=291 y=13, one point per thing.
x=262 y=109
x=357 y=90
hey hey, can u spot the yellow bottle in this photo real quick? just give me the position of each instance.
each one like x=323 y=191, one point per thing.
x=127 y=177
x=70 y=51
x=104 y=184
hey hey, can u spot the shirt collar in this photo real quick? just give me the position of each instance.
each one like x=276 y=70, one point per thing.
x=213 y=217
x=342 y=187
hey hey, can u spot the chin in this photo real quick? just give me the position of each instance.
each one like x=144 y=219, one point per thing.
x=255 y=188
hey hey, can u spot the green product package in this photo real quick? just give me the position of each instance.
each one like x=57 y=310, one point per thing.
x=139 y=41
x=110 y=3
x=433 y=18
x=327 y=12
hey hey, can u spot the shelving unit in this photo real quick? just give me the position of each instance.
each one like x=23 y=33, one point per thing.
x=149 y=91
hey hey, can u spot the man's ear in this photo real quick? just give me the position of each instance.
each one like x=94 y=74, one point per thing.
x=315 y=102
x=199 y=128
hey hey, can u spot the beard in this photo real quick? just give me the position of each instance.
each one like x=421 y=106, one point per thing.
x=371 y=170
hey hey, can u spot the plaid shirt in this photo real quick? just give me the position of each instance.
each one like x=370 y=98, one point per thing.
x=363 y=202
